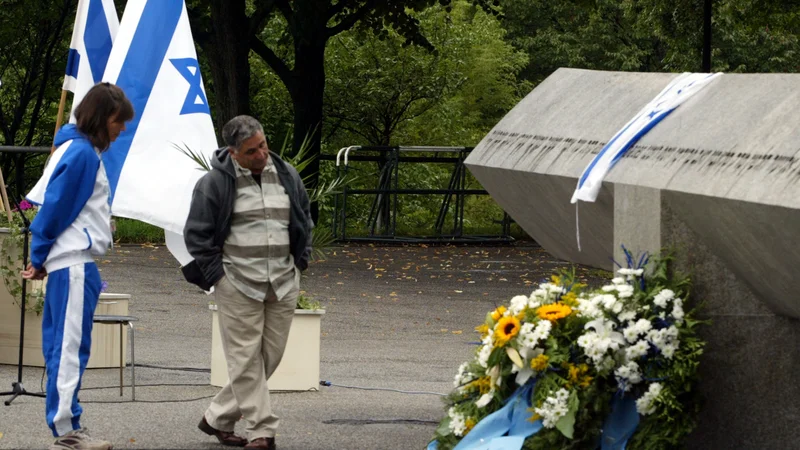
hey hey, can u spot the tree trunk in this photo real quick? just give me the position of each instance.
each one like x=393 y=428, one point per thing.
x=227 y=52
x=308 y=87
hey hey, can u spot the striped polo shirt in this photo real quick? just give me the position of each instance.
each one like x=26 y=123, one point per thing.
x=256 y=252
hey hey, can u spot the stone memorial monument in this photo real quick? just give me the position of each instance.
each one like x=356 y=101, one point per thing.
x=718 y=180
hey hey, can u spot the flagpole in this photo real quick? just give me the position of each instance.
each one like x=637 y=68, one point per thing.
x=59 y=117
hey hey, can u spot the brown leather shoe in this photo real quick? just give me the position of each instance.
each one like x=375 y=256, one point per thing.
x=262 y=443
x=224 y=437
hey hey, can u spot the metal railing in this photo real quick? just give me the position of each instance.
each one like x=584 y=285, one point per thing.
x=383 y=213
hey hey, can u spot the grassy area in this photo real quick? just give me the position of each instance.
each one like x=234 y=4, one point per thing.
x=131 y=231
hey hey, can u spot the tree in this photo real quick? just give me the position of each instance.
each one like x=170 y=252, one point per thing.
x=228 y=30
x=32 y=54
x=653 y=35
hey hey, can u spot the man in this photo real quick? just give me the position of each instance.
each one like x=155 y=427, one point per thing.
x=249 y=230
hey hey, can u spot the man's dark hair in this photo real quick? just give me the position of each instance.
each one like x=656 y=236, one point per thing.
x=103 y=101
x=240 y=129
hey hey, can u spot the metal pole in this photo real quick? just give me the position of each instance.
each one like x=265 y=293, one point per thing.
x=707 y=11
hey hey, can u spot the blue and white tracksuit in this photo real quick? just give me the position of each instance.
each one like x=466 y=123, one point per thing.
x=72 y=226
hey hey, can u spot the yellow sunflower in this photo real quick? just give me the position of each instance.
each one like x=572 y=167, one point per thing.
x=505 y=330
x=498 y=313
x=554 y=311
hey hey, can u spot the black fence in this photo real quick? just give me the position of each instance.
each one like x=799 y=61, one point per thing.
x=383 y=213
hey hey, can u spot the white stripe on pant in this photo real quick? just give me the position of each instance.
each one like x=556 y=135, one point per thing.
x=70 y=301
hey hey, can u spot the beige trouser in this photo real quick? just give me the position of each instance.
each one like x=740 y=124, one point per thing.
x=254 y=336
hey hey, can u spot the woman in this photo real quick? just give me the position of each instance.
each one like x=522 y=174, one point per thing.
x=74 y=225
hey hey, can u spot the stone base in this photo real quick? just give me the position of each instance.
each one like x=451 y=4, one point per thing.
x=749 y=383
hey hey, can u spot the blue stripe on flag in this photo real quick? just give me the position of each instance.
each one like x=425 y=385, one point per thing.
x=145 y=56
x=639 y=135
x=73 y=61
x=97 y=39
x=602 y=152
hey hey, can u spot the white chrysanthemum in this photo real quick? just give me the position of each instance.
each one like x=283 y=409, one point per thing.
x=530 y=335
x=463 y=376
x=458 y=424
x=630 y=273
x=489 y=338
x=597 y=343
x=624 y=291
x=677 y=311
x=518 y=303
x=608 y=301
x=665 y=339
x=646 y=404
x=553 y=408
x=637 y=350
x=609 y=288
x=483 y=355
x=556 y=289
x=626 y=316
x=669 y=350
x=627 y=375
x=618 y=280
x=588 y=309
x=663 y=297
x=538 y=294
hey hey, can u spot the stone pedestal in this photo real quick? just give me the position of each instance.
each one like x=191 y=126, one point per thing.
x=717 y=181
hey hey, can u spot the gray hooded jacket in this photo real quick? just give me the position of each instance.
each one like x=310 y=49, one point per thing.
x=209 y=221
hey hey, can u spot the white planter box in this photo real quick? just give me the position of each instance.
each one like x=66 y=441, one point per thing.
x=299 y=368
x=105 y=338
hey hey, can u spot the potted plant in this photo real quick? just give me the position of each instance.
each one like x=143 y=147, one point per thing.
x=299 y=368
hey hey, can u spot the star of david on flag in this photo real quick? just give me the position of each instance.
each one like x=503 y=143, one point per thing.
x=196 y=98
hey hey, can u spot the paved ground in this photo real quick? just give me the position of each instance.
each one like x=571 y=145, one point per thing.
x=396 y=318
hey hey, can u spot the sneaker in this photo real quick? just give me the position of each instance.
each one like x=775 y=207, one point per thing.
x=79 y=440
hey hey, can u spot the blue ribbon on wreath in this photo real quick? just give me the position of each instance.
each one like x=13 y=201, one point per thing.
x=508 y=427
x=504 y=429
x=620 y=424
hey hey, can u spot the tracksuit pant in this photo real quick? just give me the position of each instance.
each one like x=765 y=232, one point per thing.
x=70 y=301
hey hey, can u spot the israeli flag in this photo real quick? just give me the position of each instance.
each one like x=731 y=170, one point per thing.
x=96 y=26
x=154 y=61
x=678 y=91
x=93 y=34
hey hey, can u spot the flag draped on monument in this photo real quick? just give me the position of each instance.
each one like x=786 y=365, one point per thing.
x=677 y=92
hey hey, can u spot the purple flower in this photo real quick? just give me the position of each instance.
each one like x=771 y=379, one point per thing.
x=25 y=205
x=103 y=286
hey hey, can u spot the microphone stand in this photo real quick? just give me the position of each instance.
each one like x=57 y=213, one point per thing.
x=17 y=388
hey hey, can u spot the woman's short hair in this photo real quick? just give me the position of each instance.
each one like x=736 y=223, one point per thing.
x=103 y=101
x=240 y=129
